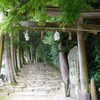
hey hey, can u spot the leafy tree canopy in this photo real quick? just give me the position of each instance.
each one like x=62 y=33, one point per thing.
x=20 y=10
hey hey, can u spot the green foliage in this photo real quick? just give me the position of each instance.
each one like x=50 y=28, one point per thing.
x=93 y=57
x=32 y=44
x=49 y=39
x=71 y=9
x=54 y=53
x=3 y=66
x=34 y=40
x=11 y=23
x=68 y=44
x=44 y=56
x=19 y=10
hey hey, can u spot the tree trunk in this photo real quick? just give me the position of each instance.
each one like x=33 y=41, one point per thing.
x=10 y=73
x=22 y=57
x=15 y=57
x=32 y=59
x=1 y=49
x=12 y=56
x=19 y=57
x=19 y=54
x=36 y=57
x=28 y=56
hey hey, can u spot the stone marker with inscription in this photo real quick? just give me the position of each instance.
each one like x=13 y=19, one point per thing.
x=73 y=71
x=73 y=65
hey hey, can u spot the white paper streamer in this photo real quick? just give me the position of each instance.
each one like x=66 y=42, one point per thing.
x=26 y=36
x=1 y=17
x=56 y=36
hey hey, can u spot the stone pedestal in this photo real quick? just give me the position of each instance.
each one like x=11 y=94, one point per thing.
x=85 y=96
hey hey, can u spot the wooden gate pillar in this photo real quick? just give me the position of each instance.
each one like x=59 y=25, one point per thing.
x=1 y=49
x=85 y=95
x=82 y=64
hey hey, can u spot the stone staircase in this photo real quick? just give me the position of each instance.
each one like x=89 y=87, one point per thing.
x=34 y=79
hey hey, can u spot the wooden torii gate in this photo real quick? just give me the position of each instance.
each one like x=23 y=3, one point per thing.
x=80 y=28
x=81 y=49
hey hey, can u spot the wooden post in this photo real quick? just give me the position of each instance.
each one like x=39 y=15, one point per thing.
x=1 y=48
x=93 y=90
x=83 y=66
x=64 y=69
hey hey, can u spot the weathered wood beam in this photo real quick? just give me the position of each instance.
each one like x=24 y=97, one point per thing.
x=91 y=14
x=91 y=27
x=55 y=11
x=56 y=26
x=52 y=11
x=35 y=24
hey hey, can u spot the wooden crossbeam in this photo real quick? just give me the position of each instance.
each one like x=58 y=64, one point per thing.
x=56 y=26
x=35 y=24
x=54 y=11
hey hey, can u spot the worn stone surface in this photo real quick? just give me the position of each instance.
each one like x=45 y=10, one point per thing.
x=73 y=65
x=35 y=78
x=4 y=94
x=74 y=72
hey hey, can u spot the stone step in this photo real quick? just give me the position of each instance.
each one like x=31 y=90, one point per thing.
x=53 y=81
x=31 y=94
x=35 y=79
x=4 y=94
x=21 y=94
x=20 y=85
x=38 y=81
x=38 y=88
x=35 y=85
x=42 y=89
